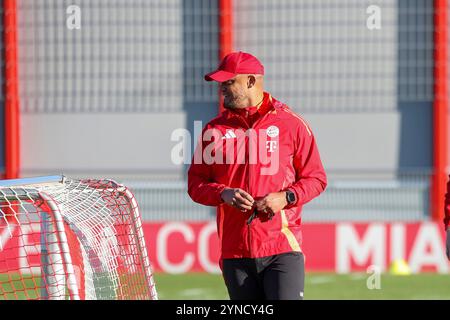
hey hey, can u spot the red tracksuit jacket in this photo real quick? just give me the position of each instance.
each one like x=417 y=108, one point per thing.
x=447 y=206
x=272 y=153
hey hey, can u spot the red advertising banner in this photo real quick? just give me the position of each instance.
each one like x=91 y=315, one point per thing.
x=179 y=247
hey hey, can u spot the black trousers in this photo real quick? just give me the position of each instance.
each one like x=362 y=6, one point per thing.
x=278 y=277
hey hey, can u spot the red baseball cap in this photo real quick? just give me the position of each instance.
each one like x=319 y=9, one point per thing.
x=233 y=64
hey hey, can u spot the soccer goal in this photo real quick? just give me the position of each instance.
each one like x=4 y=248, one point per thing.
x=63 y=238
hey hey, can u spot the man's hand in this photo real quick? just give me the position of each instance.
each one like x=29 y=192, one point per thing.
x=237 y=198
x=447 y=244
x=272 y=203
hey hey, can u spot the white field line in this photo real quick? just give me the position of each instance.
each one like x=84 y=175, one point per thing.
x=320 y=279
x=358 y=276
x=327 y=279
x=194 y=292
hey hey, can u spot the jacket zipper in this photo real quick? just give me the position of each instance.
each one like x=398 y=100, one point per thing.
x=249 y=181
x=247 y=159
x=249 y=238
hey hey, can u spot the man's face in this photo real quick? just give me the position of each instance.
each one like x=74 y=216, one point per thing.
x=235 y=92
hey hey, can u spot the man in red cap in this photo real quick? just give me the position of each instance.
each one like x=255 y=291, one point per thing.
x=258 y=163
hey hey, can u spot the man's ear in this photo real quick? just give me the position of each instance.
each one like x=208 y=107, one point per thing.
x=251 y=81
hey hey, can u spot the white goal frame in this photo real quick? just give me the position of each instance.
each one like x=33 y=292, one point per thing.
x=63 y=276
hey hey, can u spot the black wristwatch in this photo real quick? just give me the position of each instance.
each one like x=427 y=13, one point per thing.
x=290 y=197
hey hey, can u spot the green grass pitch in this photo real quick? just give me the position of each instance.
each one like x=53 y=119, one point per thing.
x=318 y=286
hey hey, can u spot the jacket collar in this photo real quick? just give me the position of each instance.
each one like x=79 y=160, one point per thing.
x=268 y=105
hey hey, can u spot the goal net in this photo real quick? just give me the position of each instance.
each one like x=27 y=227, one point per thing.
x=63 y=238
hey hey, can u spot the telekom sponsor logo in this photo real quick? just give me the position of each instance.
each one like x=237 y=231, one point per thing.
x=180 y=247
